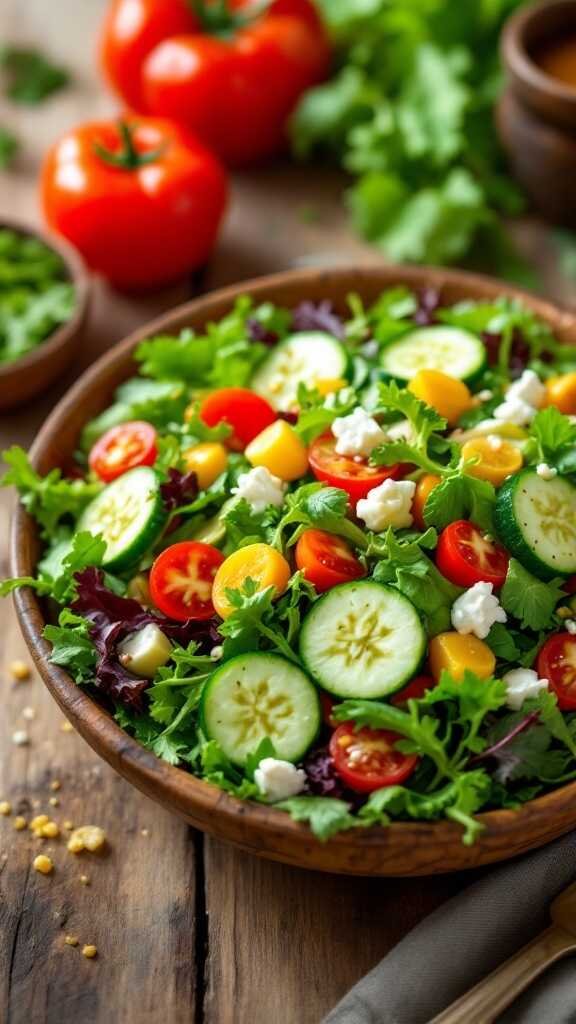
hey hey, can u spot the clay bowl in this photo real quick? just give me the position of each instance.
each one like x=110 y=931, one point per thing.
x=29 y=376
x=536 y=115
x=402 y=849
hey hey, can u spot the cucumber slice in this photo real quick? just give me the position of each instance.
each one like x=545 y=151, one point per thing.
x=449 y=349
x=536 y=521
x=362 y=639
x=308 y=357
x=258 y=695
x=130 y=515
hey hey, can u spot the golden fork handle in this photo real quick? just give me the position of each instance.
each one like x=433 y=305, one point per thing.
x=484 y=1003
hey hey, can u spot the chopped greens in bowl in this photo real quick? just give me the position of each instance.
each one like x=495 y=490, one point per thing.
x=327 y=562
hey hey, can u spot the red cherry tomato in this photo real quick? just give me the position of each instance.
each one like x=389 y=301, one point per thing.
x=356 y=478
x=416 y=689
x=326 y=560
x=245 y=412
x=327 y=703
x=181 y=580
x=140 y=198
x=367 y=760
x=557 y=664
x=122 y=448
x=465 y=557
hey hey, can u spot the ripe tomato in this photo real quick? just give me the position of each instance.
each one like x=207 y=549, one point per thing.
x=415 y=689
x=557 y=664
x=327 y=703
x=465 y=557
x=122 y=448
x=356 y=478
x=367 y=759
x=231 y=71
x=247 y=414
x=142 y=200
x=181 y=580
x=326 y=560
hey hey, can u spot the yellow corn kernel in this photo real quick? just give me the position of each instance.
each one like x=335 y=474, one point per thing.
x=207 y=460
x=561 y=392
x=494 y=458
x=43 y=864
x=71 y=940
x=37 y=823
x=20 y=823
x=449 y=396
x=280 y=450
x=5 y=807
x=87 y=837
x=139 y=590
x=19 y=670
x=327 y=385
x=89 y=952
x=50 y=830
x=455 y=653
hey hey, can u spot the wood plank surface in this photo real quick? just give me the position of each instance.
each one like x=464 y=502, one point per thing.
x=187 y=929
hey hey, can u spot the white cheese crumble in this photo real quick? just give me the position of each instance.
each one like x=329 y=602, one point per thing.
x=477 y=610
x=277 y=780
x=402 y=431
x=570 y=625
x=388 y=505
x=485 y=395
x=523 y=399
x=545 y=471
x=516 y=411
x=494 y=442
x=357 y=434
x=521 y=685
x=260 y=488
x=145 y=650
x=20 y=738
x=217 y=652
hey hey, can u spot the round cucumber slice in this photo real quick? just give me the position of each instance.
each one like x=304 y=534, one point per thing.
x=536 y=521
x=306 y=357
x=449 y=349
x=362 y=639
x=258 y=695
x=130 y=515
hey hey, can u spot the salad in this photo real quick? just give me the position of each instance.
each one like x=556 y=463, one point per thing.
x=328 y=562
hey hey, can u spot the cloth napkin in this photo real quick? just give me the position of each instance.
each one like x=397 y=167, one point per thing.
x=467 y=938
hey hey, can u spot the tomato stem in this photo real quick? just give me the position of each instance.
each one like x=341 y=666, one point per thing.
x=217 y=18
x=127 y=157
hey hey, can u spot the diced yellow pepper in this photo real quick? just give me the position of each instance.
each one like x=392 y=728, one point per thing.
x=449 y=396
x=495 y=459
x=259 y=562
x=207 y=460
x=561 y=392
x=280 y=450
x=327 y=385
x=456 y=652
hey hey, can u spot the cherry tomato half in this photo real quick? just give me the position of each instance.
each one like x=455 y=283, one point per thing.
x=326 y=560
x=465 y=557
x=415 y=689
x=327 y=704
x=122 y=448
x=343 y=471
x=248 y=414
x=557 y=664
x=181 y=580
x=367 y=760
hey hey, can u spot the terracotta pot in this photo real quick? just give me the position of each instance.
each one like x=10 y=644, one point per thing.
x=536 y=116
x=402 y=849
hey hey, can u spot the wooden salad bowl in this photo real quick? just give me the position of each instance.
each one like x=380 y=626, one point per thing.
x=401 y=849
x=35 y=372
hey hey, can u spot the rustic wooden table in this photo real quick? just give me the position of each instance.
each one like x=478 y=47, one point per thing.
x=185 y=927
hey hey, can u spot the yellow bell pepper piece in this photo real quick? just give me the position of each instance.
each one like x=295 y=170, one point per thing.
x=424 y=488
x=327 y=385
x=495 y=459
x=455 y=653
x=449 y=396
x=207 y=460
x=259 y=562
x=279 y=448
x=561 y=392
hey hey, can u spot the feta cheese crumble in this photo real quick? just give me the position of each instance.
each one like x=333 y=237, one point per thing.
x=485 y=395
x=145 y=650
x=388 y=505
x=357 y=434
x=516 y=411
x=277 y=780
x=260 y=488
x=545 y=471
x=521 y=685
x=570 y=625
x=523 y=399
x=477 y=610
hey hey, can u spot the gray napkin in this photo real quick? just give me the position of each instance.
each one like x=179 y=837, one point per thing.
x=465 y=939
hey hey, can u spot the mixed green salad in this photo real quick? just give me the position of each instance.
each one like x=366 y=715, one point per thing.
x=35 y=294
x=326 y=562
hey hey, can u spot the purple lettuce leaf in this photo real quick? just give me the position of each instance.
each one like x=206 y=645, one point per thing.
x=179 y=489
x=310 y=316
x=257 y=331
x=428 y=304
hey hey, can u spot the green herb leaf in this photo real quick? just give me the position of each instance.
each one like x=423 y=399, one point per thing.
x=529 y=599
x=31 y=76
x=324 y=814
x=49 y=499
x=461 y=497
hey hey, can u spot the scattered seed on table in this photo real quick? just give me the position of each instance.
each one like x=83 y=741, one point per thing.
x=5 y=807
x=43 y=864
x=68 y=825
x=20 y=738
x=71 y=940
x=84 y=880
x=19 y=670
x=54 y=801
x=50 y=830
x=29 y=713
x=20 y=823
x=66 y=726
x=144 y=832
x=87 y=837
x=55 y=785
x=89 y=952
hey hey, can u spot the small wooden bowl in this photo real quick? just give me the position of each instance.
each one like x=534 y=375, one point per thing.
x=536 y=115
x=401 y=849
x=29 y=376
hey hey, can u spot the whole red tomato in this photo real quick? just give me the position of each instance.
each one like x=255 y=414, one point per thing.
x=140 y=198
x=228 y=69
